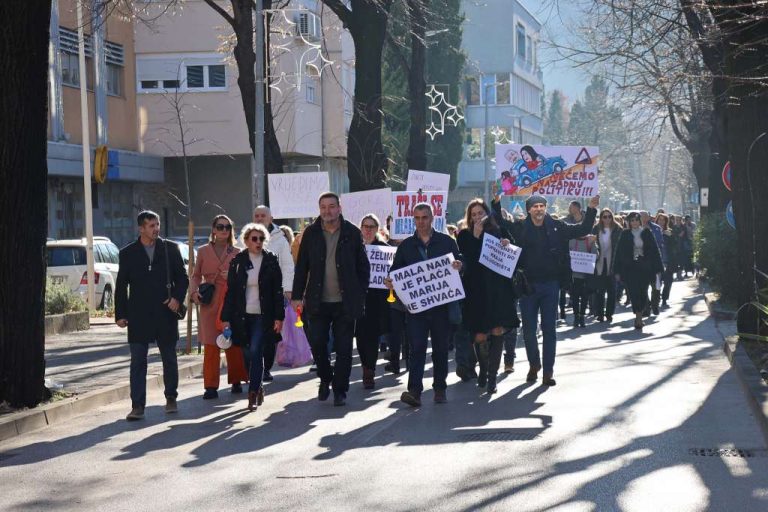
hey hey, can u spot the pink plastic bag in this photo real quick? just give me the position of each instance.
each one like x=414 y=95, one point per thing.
x=294 y=350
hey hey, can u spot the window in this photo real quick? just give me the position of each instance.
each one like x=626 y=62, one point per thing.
x=65 y=256
x=502 y=90
x=520 y=31
x=70 y=65
x=528 y=49
x=195 y=76
x=474 y=144
x=115 y=59
x=70 y=69
x=179 y=72
x=472 y=91
x=490 y=89
x=310 y=93
x=217 y=76
x=206 y=77
x=114 y=80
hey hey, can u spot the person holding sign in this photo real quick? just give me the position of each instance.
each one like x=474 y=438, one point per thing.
x=374 y=322
x=330 y=279
x=426 y=244
x=638 y=260
x=547 y=263
x=582 y=275
x=487 y=315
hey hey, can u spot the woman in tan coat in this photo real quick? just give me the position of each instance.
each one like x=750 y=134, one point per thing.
x=212 y=266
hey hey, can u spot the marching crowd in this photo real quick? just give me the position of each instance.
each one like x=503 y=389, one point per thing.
x=246 y=288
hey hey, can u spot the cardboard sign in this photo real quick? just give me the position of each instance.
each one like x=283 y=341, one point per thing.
x=380 y=257
x=583 y=262
x=294 y=195
x=501 y=260
x=356 y=205
x=428 y=284
x=564 y=171
x=428 y=181
x=402 y=212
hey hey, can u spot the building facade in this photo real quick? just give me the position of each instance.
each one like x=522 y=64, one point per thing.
x=133 y=177
x=505 y=78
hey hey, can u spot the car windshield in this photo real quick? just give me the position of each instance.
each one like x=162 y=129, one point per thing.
x=65 y=256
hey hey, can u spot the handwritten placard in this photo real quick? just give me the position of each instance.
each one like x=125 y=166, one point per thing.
x=403 y=225
x=498 y=258
x=428 y=284
x=295 y=195
x=380 y=257
x=356 y=205
x=583 y=262
x=428 y=181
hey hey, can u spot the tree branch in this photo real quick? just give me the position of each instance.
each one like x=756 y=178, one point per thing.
x=224 y=14
x=344 y=14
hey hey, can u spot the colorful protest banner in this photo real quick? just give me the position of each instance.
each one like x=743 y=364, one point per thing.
x=402 y=212
x=498 y=258
x=565 y=171
x=583 y=262
x=380 y=257
x=294 y=195
x=427 y=284
x=427 y=181
x=356 y=205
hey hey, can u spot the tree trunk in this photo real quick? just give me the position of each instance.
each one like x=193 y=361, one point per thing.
x=417 y=87
x=718 y=194
x=23 y=198
x=366 y=160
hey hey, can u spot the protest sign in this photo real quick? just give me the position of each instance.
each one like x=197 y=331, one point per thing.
x=380 y=257
x=501 y=260
x=428 y=284
x=565 y=171
x=402 y=212
x=294 y=195
x=427 y=181
x=583 y=262
x=356 y=205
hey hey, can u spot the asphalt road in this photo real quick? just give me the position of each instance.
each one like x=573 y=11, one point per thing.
x=646 y=422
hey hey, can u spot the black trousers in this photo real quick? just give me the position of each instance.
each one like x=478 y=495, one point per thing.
x=579 y=296
x=270 y=350
x=605 y=285
x=398 y=337
x=367 y=337
x=637 y=281
x=667 y=278
x=332 y=316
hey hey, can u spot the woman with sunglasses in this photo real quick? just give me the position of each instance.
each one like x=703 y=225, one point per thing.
x=638 y=260
x=211 y=268
x=253 y=306
x=607 y=233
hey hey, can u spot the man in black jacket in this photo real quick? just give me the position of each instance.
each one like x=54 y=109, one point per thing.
x=426 y=244
x=148 y=267
x=331 y=278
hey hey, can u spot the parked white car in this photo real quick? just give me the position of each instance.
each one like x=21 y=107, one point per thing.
x=67 y=265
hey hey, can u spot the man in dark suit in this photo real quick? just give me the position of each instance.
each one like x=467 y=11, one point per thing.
x=151 y=286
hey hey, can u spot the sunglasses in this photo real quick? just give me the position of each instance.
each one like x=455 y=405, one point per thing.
x=258 y=238
x=224 y=227
x=370 y=226
x=606 y=217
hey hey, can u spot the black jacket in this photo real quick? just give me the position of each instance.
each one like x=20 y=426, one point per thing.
x=141 y=290
x=351 y=263
x=270 y=296
x=376 y=318
x=625 y=253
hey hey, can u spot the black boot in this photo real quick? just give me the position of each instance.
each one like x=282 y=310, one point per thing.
x=481 y=352
x=494 y=360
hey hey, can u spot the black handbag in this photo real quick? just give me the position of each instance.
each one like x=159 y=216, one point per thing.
x=206 y=291
x=520 y=284
x=182 y=311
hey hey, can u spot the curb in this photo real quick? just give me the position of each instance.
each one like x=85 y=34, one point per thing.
x=22 y=422
x=750 y=379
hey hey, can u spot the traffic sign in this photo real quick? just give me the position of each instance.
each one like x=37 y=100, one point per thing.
x=727 y=175
x=729 y=215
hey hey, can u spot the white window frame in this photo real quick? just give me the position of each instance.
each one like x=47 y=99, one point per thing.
x=183 y=61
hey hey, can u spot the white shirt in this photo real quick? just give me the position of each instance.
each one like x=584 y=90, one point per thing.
x=252 y=303
x=638 y=240
x=605 y=250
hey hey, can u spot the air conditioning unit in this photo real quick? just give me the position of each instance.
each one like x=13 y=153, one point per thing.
x=308 y=26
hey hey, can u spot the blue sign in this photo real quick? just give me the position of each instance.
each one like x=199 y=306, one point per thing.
x=729 y=215
x=113 y=165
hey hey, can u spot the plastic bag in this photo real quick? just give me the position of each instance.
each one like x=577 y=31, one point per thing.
x=294 y=350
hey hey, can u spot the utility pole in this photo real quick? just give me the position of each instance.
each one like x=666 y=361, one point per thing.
x=666 y=158
x=258 y=174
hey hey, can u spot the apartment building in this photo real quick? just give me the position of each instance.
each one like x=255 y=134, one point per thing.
x=185 y=60
x=133 y=177
x=504 y=53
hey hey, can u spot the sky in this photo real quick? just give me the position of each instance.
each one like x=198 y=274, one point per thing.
x=558 y=74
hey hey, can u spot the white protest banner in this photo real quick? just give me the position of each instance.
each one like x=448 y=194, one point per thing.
x=428 y=284
x=427 y=181
x=380 y=257
x=501 y=260
x=402 y=212
x=583 y=262
x=294 y=195
x=356 y=205
x=565 y=171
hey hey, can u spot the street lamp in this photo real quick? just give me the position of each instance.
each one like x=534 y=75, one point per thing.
x=487 y=194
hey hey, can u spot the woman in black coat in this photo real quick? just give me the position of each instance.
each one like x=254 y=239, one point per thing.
x=374 y=321
x=638 y=260
x=487 y=315
x=607 y=234
x=253 y=309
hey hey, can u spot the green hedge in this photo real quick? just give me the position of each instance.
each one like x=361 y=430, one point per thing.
x=60 y=299
x=715 y=251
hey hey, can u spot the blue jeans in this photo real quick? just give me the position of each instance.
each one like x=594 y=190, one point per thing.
x=138 y=377
x=544 y=300
x=465 y=355
x=419 y=327
x=254 y=353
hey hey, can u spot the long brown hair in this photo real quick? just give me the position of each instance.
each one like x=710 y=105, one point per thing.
x=666 y=220
x=212 y=237
x=468 y=215
x=600 y=219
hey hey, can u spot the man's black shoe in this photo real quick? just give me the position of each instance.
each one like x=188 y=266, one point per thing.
x=210 y=393
x=463 y=374
x=324 y=392
x=339 y=399
x=267 y=376
x=392 y=368
x=655 y=310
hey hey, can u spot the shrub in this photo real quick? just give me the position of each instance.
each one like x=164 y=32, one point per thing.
x=715 y=250
x=60 y=299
